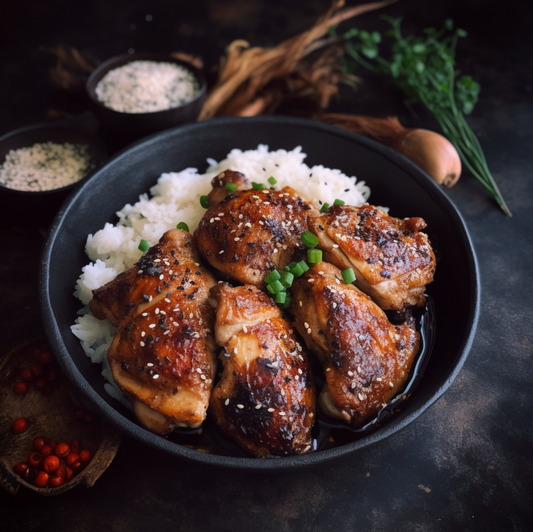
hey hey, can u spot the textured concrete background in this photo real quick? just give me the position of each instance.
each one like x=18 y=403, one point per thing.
x=466 y=463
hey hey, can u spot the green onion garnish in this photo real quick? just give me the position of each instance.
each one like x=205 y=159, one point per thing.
x=338 y=202
x=290 y=266
x=348 y=276
x=204 y=202
x=297 y=270
x=286 y=279
x=232 y=187
x=314 y=256
x=325 y=207
x=280 y=297
x=275 y=287
x=288 y=300
x=303 y=265
x=309 y=239
x=183 y=225
x=258 y=186
x=144 y=246
x=272 y=180
x=274 y=276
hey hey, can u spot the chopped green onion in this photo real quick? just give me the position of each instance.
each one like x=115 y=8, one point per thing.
x=183 y=225
x=309 y=239
x=348 y=276
x=286 y=279
x=274 y=276
x=303 y=265
x=144 y=246
x=297 y=270
x=290 y=266
x=275 y=287
x=338 y=202
x=325 y=207
x=232 y=187
x=272 y=180
x=280 y=297
x=288 y=300
x=258 y=186
x=204 y=201
x=314 y=256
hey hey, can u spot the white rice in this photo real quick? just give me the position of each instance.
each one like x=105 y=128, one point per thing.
x=176 y=198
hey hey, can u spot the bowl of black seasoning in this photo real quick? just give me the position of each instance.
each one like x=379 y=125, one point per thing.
x=39 y=166
x=134 y=95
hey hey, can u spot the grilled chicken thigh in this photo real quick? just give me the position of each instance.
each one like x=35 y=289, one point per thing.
x=163 y=352
x=392 y=259
x=251 y=232
x=365 y=358
x=265 y=399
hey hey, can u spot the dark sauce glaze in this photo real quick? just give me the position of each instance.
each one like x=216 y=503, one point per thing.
x=329 y=433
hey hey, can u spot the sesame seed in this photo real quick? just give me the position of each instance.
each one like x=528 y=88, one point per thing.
x=221 y=251
x=155 y=376
x=240 y=407
x=143 y=334
x=245 y=329
x=152 y=325
x=270 y=410
x=391 y=385
x=360 y=396
x=145 y=314
x=139 y=272
x=226 y=402
x=142 y=344
x=258 y=406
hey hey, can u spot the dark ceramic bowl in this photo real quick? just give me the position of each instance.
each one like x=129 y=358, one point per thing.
x=394 y=181
x=133 y=126
x=28 y=207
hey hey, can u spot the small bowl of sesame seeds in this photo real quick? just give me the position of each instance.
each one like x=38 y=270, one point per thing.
x=39 y=167
x=135 y=95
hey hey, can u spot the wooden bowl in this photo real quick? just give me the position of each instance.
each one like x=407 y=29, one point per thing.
x=57 y=415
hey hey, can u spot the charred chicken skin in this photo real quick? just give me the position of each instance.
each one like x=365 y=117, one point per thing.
x=252 y=232
x=392 y=259
x=265 y=399
x=365 y=358
x=163 y=352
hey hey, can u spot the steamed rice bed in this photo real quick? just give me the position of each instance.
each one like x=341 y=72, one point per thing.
x=176 y=198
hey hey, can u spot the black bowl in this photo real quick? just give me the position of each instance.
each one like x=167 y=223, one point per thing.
x=28 y=207
x=395 y=182
x=133 y=126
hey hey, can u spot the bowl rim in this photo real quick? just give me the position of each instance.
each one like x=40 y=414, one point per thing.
x=44 y=126
x=123 y=59
x=254 y=464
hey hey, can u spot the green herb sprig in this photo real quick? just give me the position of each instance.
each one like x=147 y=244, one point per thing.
x=423 y=67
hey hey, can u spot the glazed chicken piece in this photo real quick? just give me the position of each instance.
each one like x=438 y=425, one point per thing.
x=265 y=399
x=365 y=358
x=163 y=352
x=219 y=192
x=252 y=232
x=392 y=259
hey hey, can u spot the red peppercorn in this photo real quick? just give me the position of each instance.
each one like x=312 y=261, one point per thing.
x=69 y=473
x=71 y=458
x=61 y=472
x=39 y=384
x=21 y=468
x=26 y=375
x=51 y=463
x=30 y=474
x=53 y=444
x=62 y=450
x=39 y=443
x=21 y=388
x=55 y=482
x=47 y=450
x=77 y=466
x=85 y=455
x=50 y=375
x=37 y=370
x=19 y=425
x=42 y=479
x=35 y=459
x=45 y=358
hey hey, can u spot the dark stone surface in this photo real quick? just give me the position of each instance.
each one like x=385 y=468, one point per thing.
x=466 y=463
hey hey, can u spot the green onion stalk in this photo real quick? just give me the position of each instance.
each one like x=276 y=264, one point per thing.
x=424 y=69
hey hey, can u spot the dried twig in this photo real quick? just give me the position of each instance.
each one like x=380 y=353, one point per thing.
x=246 y=71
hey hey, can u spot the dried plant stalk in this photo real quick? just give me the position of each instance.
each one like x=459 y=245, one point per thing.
x=246 y=71
x=72 y=68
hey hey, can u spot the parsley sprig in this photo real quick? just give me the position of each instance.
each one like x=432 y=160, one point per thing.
x=423 y=67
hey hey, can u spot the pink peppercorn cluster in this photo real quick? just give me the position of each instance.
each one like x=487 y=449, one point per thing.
x=41 y=375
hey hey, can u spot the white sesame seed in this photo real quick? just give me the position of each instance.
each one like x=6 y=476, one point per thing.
x=226 y=402
x=155 y=376
x=152 y=325
x=240 y=407
x=142 y=344
x=270 y=410
x=161 y=277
